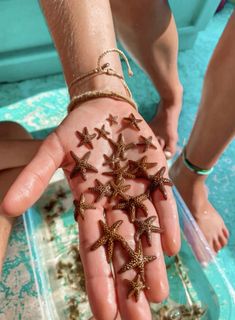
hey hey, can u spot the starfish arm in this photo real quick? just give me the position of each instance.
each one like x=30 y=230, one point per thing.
x=156 y=229
x=148 y=259
x=132 y=212
x=149 y=238
x=83 y=173
x=130 y=265
x=92 y=168
x=163 y=190
x=100 y=242
x=109 y=250
x=86 y=156
x=116 y=225
x=120 y=205
x=143 y=208
x=167 y=182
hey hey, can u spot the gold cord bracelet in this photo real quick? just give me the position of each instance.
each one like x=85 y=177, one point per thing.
x=90 y=95
x=105 y=69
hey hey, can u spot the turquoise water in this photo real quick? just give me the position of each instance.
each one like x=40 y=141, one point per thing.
x=40 y=103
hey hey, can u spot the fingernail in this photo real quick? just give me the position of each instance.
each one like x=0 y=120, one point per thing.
x=168 y=154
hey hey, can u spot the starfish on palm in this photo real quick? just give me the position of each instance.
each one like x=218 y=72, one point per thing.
x=146 y=227
x=139 y=168
x=133 y=121
x=112 y=120
x=102 y=133
x=81 y=165
x=85 y=138
x=120 y=172
x=103 y=190
x=136 y=286
x=118 y=188
x=81 y=206
x=120 y=147
x=137 y=260
x=157 y=181
x=111 y=161
x=146 y=143
x=131 y=204
x=108 y=238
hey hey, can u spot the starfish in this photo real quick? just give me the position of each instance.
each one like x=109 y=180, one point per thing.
x=139 y=168
x=133 y=121
x=137 y=261
x=112 y=120
x=111 y=161
x=81 y=206
x=103 y=190
x=85 y=138
x=146 y=143
x=120 y=172
x=120 y=147
x=146 y=227
x=136 y=286
x=102 y=133
x=109 y=236
x=131 y=204
x=157 y=181
x=118 y=188
x=81 y=165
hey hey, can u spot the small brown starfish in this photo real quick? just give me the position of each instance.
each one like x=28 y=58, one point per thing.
x=102 y=133
x=81 y=206
x=120 y=172
x=118 y=188
x=85 y=138
x=111 y=161
x=157 y=181
x=112 y=120
x=133 y=121
x=139 y=168
x=109 y=236
x=120 y=147
x=146 y=143
x=81 y=165
x=136 y=286
x=103 y=190
x=131 y=204
x=146 y=227
x=137 y=261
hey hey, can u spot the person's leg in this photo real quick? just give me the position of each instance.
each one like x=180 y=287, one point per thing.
x=213 y=130
x=147 y=29
x=16 y=149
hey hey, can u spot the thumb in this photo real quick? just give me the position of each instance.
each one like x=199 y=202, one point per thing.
x=34 y=179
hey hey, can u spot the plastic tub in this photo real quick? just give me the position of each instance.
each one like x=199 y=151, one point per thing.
x=53 y=240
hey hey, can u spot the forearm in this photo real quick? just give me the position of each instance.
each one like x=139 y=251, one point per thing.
x=82 y=31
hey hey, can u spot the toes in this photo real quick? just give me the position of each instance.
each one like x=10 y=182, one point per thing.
x=216 y=245
x=222 y=240
x=225 y=232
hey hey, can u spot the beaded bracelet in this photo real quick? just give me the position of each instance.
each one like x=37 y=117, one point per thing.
x=194 y=168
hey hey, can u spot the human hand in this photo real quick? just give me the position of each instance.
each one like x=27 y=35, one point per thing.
x=107 y=296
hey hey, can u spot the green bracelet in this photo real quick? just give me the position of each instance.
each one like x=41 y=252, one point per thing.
x=194 y=168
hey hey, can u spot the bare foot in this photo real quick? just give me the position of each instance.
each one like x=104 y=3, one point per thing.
x=165 y=123
x=194 y=192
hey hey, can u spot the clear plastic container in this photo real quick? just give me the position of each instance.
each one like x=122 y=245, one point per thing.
x=53 y=241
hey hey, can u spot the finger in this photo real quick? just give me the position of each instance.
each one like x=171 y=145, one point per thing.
x=156 y=276
x=99 y=280
x=35 y=177
x=168 y=218
x=128 y=307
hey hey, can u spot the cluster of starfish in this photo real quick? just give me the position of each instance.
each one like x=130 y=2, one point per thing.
x=116 y=189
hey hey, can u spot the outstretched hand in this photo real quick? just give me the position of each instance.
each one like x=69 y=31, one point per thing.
x=108 y=289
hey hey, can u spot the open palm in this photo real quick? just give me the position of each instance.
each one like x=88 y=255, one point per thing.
x=107 y=288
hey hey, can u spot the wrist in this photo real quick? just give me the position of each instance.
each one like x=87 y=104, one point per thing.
x=99 y=82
